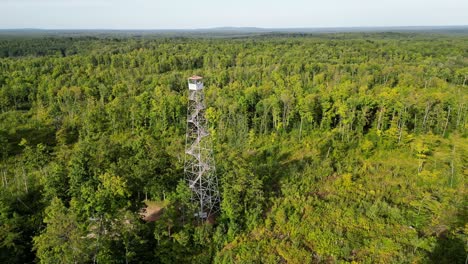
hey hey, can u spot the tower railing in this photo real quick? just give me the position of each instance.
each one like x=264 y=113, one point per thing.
x=199 y=165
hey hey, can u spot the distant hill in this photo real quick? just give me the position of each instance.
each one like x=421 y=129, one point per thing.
x=235 y=31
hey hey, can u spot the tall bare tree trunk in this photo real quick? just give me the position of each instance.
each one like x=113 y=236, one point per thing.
x=447 y=121
x=379 y=122
x=426 y=112
x=452 y=167
x=300 y=129
x=4 y=179
x=25 y=180
x=401 y=123
x=460 y=107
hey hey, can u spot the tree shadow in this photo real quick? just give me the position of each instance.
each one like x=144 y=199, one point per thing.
x=34 y=135
x=448 y=250
x=273 y=165
x=450 y=247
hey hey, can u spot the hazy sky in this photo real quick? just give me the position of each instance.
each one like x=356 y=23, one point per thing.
x=171 y=14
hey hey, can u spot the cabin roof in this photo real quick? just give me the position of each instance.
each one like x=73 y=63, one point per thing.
x=195 y=77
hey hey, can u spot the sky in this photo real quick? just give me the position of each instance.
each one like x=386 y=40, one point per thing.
x=194 y=14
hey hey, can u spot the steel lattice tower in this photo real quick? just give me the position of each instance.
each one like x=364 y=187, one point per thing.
x=199 y=165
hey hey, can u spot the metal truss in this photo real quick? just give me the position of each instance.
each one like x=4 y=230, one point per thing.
x=199 y=167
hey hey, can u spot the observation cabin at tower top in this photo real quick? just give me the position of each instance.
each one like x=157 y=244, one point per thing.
x=195 y=83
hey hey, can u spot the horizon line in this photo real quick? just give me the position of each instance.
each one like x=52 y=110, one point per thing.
x=238 y=27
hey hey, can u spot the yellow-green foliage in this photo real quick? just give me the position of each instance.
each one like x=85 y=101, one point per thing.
x=340 y=148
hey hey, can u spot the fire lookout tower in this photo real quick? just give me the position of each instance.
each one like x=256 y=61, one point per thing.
x=199 y=167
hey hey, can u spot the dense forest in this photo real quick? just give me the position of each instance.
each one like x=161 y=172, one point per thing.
x=330 y=148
